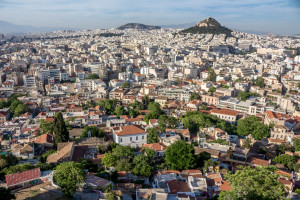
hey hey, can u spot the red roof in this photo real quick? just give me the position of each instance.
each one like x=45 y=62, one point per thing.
x=20 y=177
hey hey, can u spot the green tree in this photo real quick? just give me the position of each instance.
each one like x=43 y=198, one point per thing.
x=6 y=194
x=260 y=82
x=251 y=125
x=93 y=76
x=123 y=164
x=145 y=100
x=69 y=176
x=194 y=96
x=243 y=95
x=202 y=157
x=252 y=184
x=95 y=132
x=47 y=127
x=120 y=111
x=285 y=159
x=133 y=113
x=20 y=109
x=125 y=85
x=212 y=76
x=44 y=157
x=212 y=89
x=14 y=105
x=123 y=151
x=150 y=153
x=180 y=155
x=111 y=196
x=152 y=135
x=109 y=160
x=142 y=166
x=296 y=144
x=61 y=133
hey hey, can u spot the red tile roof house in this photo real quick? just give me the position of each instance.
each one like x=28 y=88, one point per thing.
x=23 y=179
x=131 y=135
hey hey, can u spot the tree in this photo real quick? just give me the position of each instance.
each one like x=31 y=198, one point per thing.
x=133 y=113
x=61 y=133
x=93 y=76
x=125 y=85
x=251 y=125
x=111 y=196
x=212 y=89
x=123 y=164
x=95 y=132
x=119 y=111
x=150 y=153
x=109 y=160
x=285 y=159
x=142 y=166
x=145 y=100
x=243 y=95
x=44 y=157
x=296 y=144
x=202 y=157
x=20 y=109
x=180 y=155
x=6 y=194
x=212 y=76
x=14 y=105
x=69 y=176
x=123 y=151
x=194 y=96
x=152 y=135
x=260 y=82
x=254 y=183
x=47 y=127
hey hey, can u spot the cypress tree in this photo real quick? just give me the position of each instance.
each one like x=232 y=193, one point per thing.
x=61 y=133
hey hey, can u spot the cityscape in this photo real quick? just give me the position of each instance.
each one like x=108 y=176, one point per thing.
x=145 y=111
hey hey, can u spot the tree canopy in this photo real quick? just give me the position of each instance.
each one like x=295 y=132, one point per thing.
x=125 y=85
x=109 y=160
x=123 y=151
x=120 y=111
x=93 y=76
x=194 y=96
x=212 y=76
x=69 y=176
x=61 y=133
x=95 y=132
x=167 y=122
x=152 y=135
x=260 y=82
x=142 y=166
x=180 y=155
x=251 y=125
x=254 y=183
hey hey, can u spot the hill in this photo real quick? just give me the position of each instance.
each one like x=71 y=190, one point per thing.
x=208 y=26
x=138 y=26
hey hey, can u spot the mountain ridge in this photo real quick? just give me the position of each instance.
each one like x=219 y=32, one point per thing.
x=138 y=26
x=208 y=26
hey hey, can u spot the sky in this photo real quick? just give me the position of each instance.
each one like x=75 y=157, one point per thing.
x=275 y=16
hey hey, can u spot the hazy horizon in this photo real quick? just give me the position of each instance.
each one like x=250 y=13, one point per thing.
x=276 y=16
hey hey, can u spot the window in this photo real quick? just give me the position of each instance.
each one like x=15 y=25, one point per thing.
x=120 y=139
x=137 y=137
x=130 y=138
x=142 y=137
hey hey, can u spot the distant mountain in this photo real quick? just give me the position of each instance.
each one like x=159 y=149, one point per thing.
x=186 y=25
x=138 y=26
x=208 y=26
x=6 y=27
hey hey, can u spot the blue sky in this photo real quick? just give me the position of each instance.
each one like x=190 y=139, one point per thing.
x=276 y=16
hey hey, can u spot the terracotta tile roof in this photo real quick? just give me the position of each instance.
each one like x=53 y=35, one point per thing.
x=225 y=112
x=79 y=152
x=130 y=130
x=64 y=154
x=42 y=139
x=178 y=186
x=156 y=146
x=179 y=131
x=275 y=115
x=257 y=161
x=225 y=186
x=21 y=177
